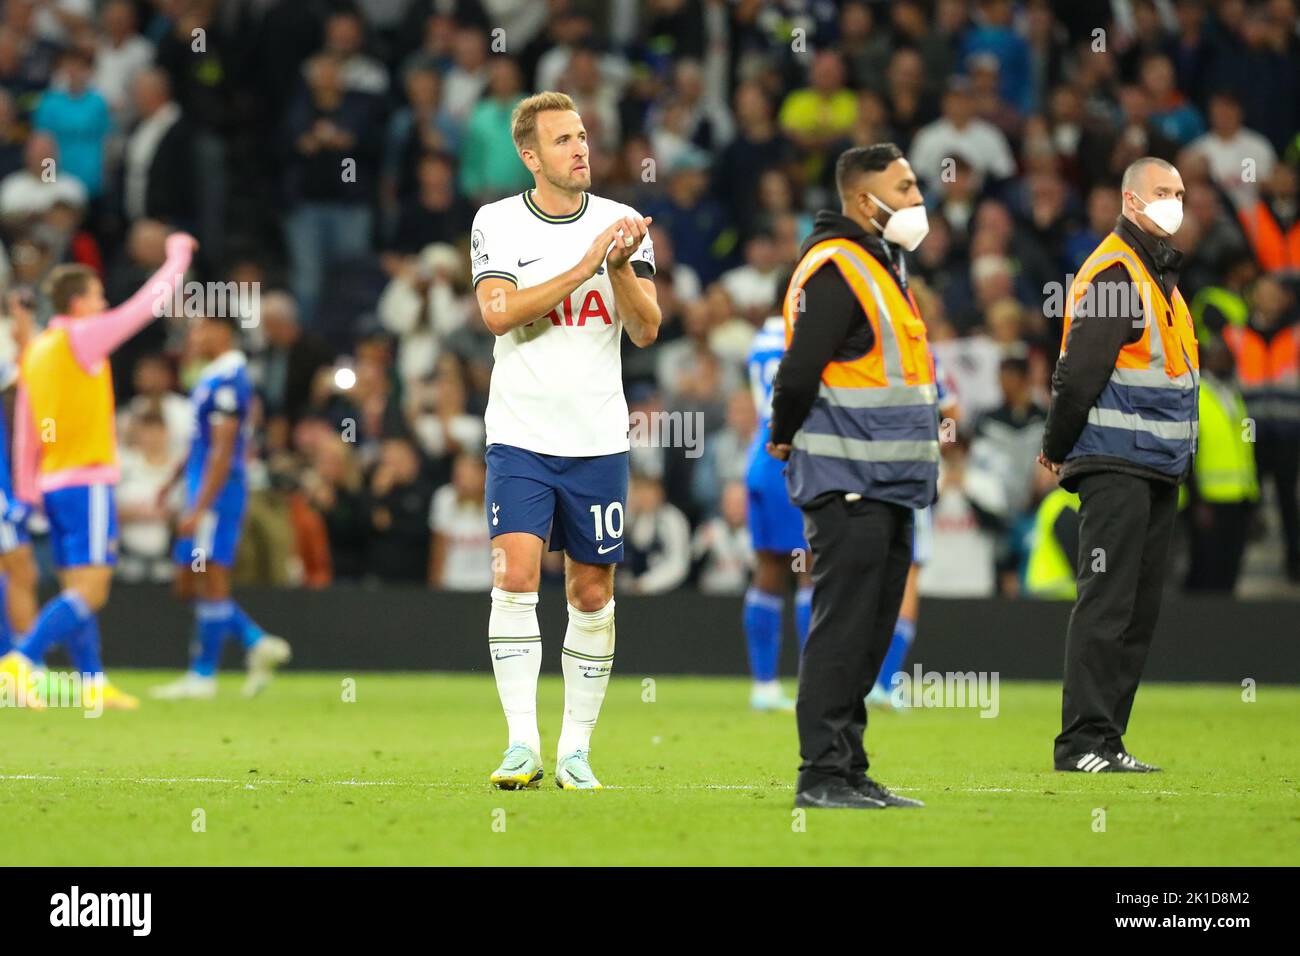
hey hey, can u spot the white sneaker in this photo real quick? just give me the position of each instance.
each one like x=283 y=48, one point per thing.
x=263 y=658
x=769 y=697
x=880 y=699
x=521 y=769
x=191 y=686
x=573 y=772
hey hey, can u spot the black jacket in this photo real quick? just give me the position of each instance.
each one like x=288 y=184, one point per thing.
x=1093 y=345
x=171 y=191
x=833 y=328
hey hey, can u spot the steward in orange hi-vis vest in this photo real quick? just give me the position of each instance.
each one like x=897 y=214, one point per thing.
x=1267 y=352
x=1125 y=389
x=1146 y=413
x=874 y=424
x=855 y=415
x=1121 y=432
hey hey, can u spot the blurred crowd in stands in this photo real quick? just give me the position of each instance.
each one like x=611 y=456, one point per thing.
x=331 y=155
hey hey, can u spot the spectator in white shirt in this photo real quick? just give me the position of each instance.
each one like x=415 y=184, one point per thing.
x=959 y=132
x=962 y=559
x=345 y=37
x=460 y=551
x=154 y=385
x=148 y=462
x=58 y=21
x=1239 y=158
x=570 y=31
x=439 y=418
x=33 y=190
x=657 y=541
x=753 y=286
x=723 y=545
x=121 y=54
x=422 y=305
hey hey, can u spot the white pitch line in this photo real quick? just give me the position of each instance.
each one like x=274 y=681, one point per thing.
x=277 y=782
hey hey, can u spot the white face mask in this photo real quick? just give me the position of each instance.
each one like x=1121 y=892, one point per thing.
x=906 y=227
x=1165 y=213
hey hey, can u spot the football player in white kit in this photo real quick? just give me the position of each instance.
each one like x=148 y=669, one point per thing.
x=559 y=274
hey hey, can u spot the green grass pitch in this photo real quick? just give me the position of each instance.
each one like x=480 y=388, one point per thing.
x=399 y=776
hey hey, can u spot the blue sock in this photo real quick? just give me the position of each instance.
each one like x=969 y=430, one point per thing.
x=763 y=633
x=215 y=622
x=896 y=657
x=83 y=648
x=245 y=627
x=803 y=614
x=58 y=622
x=6 y=630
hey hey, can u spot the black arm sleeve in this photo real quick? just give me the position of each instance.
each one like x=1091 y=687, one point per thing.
x=1066 y=531
x=831 y=311
x=1093 y=345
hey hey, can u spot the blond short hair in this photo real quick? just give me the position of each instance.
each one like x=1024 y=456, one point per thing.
x=523 y=122
x=65 y=283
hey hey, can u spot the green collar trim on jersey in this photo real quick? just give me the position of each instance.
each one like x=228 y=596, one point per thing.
x=536 y=210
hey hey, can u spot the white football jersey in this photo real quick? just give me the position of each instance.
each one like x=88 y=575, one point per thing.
x=557 y=382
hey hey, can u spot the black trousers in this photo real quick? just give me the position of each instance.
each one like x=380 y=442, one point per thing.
x=1277 y=458
x=1218 y=545
x=1125 y=524
x=861 y=553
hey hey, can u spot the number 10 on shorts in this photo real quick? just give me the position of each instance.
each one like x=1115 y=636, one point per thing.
x=609 y=520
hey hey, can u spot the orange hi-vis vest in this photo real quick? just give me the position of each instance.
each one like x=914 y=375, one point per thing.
x=874 y=426
x=1275 y=248
x=1268 y=370
x=1147 y=412
x=71 y=409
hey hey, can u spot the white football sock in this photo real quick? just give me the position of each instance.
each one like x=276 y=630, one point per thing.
x=515 y=642
x=587 y=661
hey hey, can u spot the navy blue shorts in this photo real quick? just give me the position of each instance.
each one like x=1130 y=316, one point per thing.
x=578 y=502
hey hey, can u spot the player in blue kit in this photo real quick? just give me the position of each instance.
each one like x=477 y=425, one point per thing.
x=776 y=530
x=208 y=530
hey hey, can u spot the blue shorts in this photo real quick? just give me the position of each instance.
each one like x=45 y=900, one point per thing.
x=578 y=502
x=83 y=525
x=922 y=534
x=775 y=523
x=217 y=536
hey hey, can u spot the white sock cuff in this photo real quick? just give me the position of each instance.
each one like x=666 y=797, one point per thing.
x=592 y=620
x=513 y=599
x=514 y=614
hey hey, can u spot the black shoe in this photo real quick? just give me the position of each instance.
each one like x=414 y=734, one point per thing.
x=836 y=795
x=1132 y=765
x=1094 y=761
x=868 y=787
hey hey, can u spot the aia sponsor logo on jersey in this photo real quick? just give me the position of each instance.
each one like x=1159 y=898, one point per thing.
x=593 y=307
